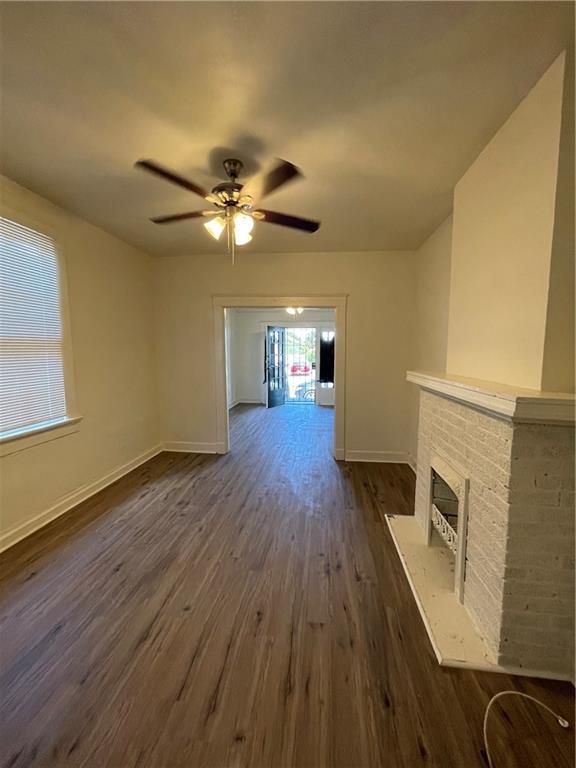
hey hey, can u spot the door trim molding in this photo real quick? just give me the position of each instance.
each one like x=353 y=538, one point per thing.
x=337 y=302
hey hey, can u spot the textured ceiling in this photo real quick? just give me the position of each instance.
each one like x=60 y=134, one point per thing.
x=383 y=106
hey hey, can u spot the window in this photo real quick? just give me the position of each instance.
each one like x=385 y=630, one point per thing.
x=32 y=386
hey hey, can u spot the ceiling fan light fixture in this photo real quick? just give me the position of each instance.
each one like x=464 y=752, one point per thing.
x=216 y=226
x=242 y=239
x=235 y=213
x=243 y=226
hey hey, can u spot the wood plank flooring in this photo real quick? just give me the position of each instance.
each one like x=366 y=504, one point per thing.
x=243 y=610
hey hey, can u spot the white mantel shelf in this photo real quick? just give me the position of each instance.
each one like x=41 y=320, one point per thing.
x=500 y=400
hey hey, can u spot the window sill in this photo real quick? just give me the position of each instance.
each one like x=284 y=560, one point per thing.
x=42 y=433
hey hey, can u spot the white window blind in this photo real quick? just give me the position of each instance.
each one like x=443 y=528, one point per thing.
x=32 y=392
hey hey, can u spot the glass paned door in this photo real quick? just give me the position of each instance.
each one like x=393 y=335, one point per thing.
x=275 y=373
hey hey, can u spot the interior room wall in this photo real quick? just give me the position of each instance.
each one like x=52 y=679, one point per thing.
x=380 y=336
x=110 y=287
x=560 y=342
x=433 y=298
x=504 y=212
x=432 y=308
x=247 y=354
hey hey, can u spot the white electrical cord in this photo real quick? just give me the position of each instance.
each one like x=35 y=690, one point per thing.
x=561 y=721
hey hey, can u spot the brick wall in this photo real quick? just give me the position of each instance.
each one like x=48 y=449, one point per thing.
x=519 y=583
x=538 y=607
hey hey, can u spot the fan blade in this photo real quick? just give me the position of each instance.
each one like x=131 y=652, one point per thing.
x=182 y=216
x=262 y=185
x=152 y=167
x=295 y=222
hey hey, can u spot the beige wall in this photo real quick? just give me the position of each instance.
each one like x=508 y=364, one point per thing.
x=432 y=308
x=558 y=369
x=247 y=348
x=433 y=298
x=495 y=282
x=110 y=299
x=504 y=209
x=380 y=318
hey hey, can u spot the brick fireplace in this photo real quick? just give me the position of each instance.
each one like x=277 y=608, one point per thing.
x=508 y=457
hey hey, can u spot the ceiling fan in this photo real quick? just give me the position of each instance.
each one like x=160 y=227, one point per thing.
x=235 y=213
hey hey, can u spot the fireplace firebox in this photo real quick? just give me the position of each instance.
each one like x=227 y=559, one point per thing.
x=448 y=513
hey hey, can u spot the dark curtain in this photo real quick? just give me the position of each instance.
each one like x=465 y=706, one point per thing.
x=326 y=361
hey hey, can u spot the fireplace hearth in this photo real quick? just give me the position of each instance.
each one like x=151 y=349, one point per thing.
x=491 y=545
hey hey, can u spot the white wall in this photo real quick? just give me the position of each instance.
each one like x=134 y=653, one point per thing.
x=495 y=282
x=248 y=347
x=558 y=369
x=433 y=298
x=504 y=212
x=380 y=338
x=110 y=288
x=432 y=310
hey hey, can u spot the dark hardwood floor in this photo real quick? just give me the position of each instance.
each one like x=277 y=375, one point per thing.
x=243 y=610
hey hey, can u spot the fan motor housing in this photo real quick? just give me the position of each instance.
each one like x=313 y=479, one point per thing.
x=228 y=192
x=233 y=167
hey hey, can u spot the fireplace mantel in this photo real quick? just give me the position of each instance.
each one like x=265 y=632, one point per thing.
x=500 y=400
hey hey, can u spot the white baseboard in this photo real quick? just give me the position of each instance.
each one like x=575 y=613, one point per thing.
x=184 y=447
x=11 y=537
x=385 y=457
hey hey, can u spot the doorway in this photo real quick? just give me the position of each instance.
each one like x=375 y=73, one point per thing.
x=338 y=334
x=291 y=365
x=301 y=365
